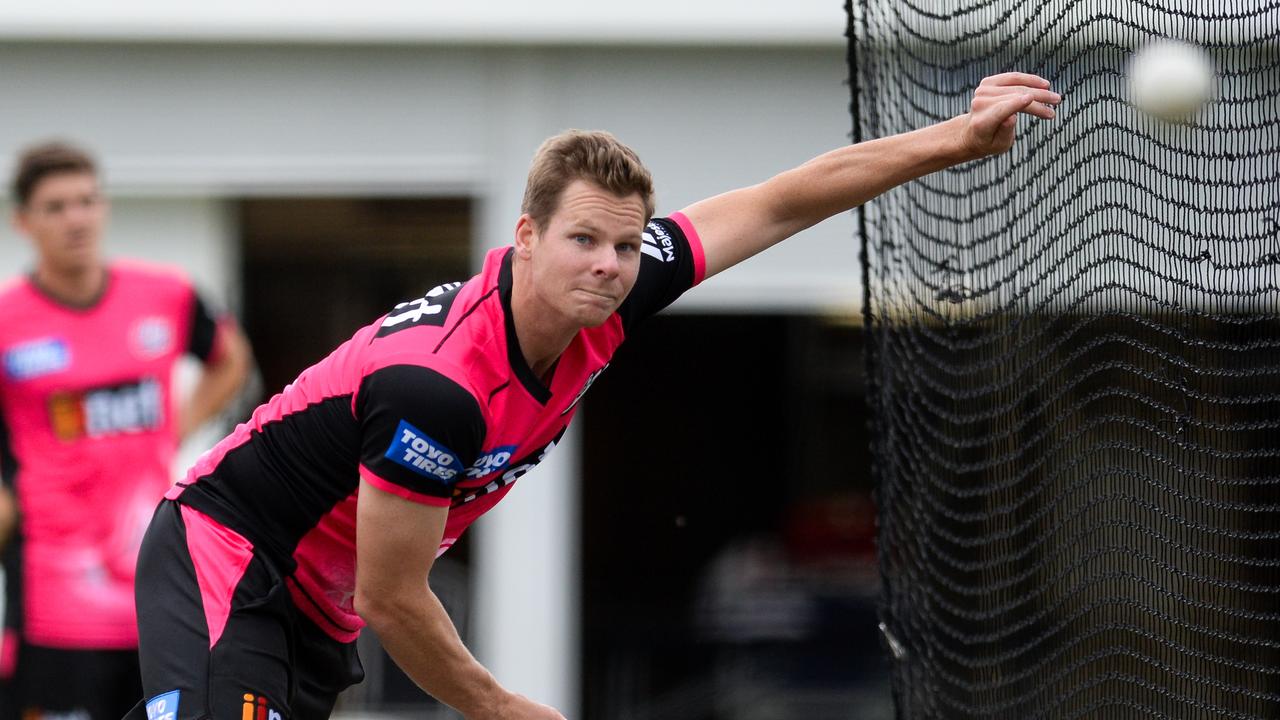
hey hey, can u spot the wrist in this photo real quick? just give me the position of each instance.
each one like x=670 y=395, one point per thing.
x=489 y=702
x=956 y=144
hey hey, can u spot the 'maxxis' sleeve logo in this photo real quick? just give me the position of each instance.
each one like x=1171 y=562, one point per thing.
x=657 y=243
x=430 y=309
x=415 y=450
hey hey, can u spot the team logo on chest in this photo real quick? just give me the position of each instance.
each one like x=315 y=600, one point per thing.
x=585 y=387
x=151 y=337
x=35 y=358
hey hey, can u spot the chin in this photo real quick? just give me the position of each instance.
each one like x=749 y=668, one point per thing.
x=594 y=321
x=594 y=317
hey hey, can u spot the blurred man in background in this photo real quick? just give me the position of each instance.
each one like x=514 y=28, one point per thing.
x=90 y=426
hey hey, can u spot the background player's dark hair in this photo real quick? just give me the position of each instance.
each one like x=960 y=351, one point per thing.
x=592 y=155
x=44 y=159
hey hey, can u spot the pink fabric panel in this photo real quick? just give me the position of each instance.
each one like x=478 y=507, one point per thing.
x=403 y=492
x=326 y=573
x=220 y=556
x=695 y=245
x=302 y=601
x=8 y=654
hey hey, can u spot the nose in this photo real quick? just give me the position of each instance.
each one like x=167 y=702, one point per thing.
x=77 y=214
x=606 y=263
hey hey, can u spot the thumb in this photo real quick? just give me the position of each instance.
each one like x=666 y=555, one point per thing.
x=1000 y=115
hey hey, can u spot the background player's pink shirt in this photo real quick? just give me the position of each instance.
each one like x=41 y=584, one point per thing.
x=86 y=396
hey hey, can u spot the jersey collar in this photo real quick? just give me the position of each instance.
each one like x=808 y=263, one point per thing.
x=515 y=356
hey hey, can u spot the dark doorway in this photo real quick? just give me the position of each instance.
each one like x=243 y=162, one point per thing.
x=316 y=270
x=728 y=530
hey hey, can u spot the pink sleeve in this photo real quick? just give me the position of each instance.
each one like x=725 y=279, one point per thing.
x=695 y=246
x=401 y=491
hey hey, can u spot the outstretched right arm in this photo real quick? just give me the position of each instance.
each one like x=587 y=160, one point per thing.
x=739 y=224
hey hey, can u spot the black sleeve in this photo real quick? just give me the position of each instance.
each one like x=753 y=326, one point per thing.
x=8 y=461
x=667 y=268
x=204 y=330
x=420 y=430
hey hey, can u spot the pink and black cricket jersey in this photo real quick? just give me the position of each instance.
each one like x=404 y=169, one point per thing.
x=433 y=402
x=90 y=420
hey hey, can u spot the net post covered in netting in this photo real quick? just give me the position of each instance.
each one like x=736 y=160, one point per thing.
x=1074 y=368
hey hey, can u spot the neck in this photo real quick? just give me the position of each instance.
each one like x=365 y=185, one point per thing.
x=79 y=287
x=542 y=340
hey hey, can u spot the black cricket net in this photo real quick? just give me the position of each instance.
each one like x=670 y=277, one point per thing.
x=1074 y=366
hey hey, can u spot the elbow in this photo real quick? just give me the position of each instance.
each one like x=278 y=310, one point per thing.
x=372 y=608
x=240 y=361
x=382 y=609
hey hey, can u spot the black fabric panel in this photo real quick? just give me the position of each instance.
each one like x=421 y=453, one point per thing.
x=204 y=330
x=515 y=356
x=275 y=488
x=8 y=460
x=11 y=557
x=433 y=407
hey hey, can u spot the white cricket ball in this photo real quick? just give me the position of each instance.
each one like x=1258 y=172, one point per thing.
x=1170 y=80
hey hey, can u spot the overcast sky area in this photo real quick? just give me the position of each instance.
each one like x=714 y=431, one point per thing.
x=505 y=21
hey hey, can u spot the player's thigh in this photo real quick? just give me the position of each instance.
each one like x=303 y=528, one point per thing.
x=211 y=654
x=324 y=668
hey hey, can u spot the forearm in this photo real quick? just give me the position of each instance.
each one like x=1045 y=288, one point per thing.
x=847 y=177
x=418 y=634
x=8 y=515
x=218 y=384
x=212 y=393
x=742 y=223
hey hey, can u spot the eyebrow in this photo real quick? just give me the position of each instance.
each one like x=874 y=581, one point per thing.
x=584 y=225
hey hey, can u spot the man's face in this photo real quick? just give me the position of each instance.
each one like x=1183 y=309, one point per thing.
x=585 y=261
x=64 y=217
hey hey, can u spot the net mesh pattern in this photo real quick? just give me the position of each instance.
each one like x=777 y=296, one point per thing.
x=1074 y=366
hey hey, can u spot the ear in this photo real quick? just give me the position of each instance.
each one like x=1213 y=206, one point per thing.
x=18 y=220
x=526 y=233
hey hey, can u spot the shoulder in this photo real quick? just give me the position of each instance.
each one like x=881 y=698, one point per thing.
x=144 y=270
x=17 y=299
x=143 y=276
x=14 y=289
x=450 y=326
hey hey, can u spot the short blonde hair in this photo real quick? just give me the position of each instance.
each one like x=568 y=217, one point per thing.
x=592 y=155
